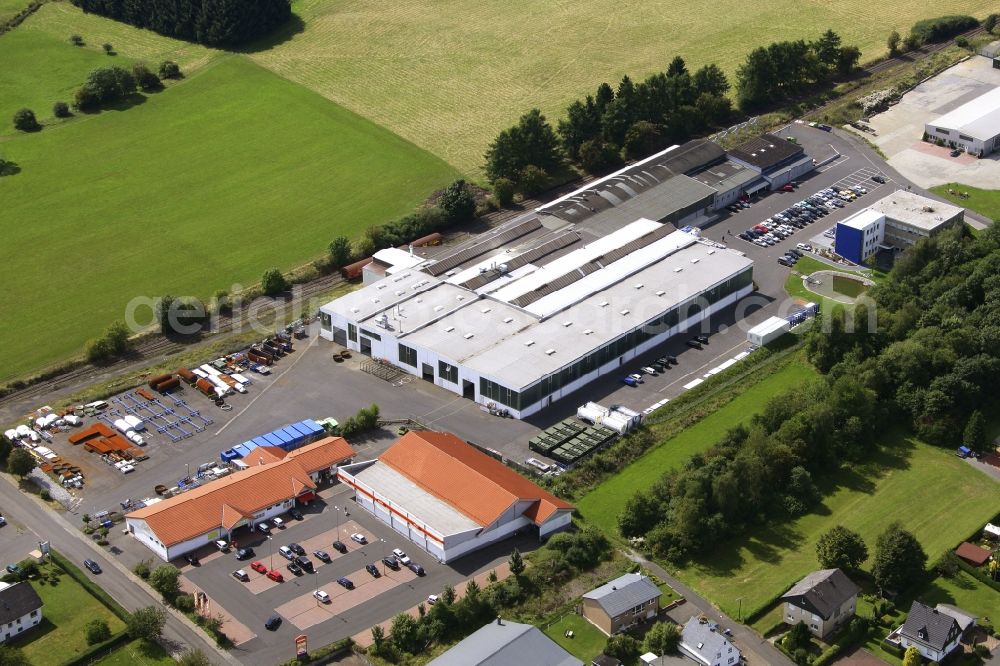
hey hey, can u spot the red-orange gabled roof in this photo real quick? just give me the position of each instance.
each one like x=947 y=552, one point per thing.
x=472 y=482
x=973 y=554
x=263 y=455
x=226 y=501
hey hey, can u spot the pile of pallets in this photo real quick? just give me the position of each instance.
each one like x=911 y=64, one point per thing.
x=569 y=441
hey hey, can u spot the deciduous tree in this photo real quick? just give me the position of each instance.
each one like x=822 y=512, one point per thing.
x=662 y=638
x=273 y=282
x=97 y=631
x=146 y=623
x=899 y=559
x=458 y=202
x=840 y=548
x=25 y=121
x=20 y=463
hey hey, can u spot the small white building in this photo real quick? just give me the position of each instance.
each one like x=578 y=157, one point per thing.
x=389 y=262
x=20 y=609
x=450 y=499
x=859 y=236
x=767 y=331
x=974 y=127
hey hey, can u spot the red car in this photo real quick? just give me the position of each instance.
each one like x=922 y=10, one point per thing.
x=258 y=567
x=276 y=576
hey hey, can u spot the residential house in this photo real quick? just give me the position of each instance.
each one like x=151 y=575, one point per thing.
x=20 y=609
x=707 y=645
x=935 y=632
x=625 y=601
x=823 y=601
x=502 y=643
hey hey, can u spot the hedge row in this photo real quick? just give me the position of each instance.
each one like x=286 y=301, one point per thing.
x=978 y=574
x=90 y=586
x=322 y=654
x=91 y=654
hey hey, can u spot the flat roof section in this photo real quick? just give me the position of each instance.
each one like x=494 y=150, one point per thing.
x=418 y=309
x=766 y=151
x=862 y=219
x=916 y=210
x=382 y=295
x=979 y=118
x=725 y=176
x=426 y=507
x=469 y=331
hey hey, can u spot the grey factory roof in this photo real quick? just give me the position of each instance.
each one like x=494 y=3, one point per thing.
x=725 y=175
x=766 y=151
x=18 y=600
x=421 y=504
x=979 y=118
x=916 y=210
x=624 y=593
x=822 y=592
x=503 y=643
x=361 y=304
x=930 y=626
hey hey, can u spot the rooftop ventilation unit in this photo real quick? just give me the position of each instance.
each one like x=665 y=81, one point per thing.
x=587 y=331
x=438 y=308
x=550 y=352
x=449 y=329
x=625 y=311
x=660 y=292
x=603 y=304
x=381 y=286
x=355 y=309
x=507 y=320
x=460 y=297
x=400 y=292
x=486 y=309
x=638 y=286
x=376 y=300
x=468 y=335
x=567 y=323
x=712 y=251
x=678 y=269
x=695 y=260
x=528 y=343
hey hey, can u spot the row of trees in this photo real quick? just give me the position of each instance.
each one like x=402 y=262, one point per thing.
x=931 y=31
x=563 y=557
x=898 y=563
x=781 y=70
x=600 y=130
x=210 y=22
x=925 y=363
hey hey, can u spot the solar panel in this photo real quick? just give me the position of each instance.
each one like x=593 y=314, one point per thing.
x=451 y=261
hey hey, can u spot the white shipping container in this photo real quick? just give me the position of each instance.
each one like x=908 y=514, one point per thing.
x=122 y=425
x=768 y=330
x=135 y=422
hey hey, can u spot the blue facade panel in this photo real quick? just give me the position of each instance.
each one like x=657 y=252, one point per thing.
x=241 y=450
x=272 y=439
x=250 y=446
x=260 y=441
x=849 y=243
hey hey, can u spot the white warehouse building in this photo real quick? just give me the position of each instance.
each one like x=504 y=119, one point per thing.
x=519 y=333
x=974 y=127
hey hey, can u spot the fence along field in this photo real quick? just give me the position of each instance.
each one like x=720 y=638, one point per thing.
x=451 y=74
x=223 y=175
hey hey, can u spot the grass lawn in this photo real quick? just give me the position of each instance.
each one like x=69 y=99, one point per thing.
x=10 y=8
x=602 y=505
x=964 y=591
x=587 y=641
x=66 y=610
x=204 y=185
x=984 y=202
x=807 y=266
x=954 y=500
x=42 y=67
x=138 y=653
x=452 y=73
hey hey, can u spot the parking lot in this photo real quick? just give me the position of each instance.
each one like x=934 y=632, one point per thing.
x=898 y=131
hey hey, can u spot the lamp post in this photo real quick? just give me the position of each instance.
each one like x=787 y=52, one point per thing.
x=316 y=580
x=337 y=510
x=383 y=555
x=739 y=611
x=270 y=542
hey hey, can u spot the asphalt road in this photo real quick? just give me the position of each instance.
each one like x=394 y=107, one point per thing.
x=70 y=542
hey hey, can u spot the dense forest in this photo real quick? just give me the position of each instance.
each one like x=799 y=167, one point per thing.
x=922 y=357
x=209 y=22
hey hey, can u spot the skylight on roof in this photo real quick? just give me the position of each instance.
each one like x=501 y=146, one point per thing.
x=449 y=329
x=625 y=311
x=507 y=320
x=468 y=335
x=528 y=343
x=550 y=352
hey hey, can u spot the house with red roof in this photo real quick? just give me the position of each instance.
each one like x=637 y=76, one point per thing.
x=449 y=498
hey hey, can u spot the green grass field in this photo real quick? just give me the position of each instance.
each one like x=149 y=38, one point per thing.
x=137 y=653
x=452 y=73
x=602 y=505
x=937 y=496
x=984 y=202
x=587 y=641
x=66 y=609
x=204 y=185
x=10 y=8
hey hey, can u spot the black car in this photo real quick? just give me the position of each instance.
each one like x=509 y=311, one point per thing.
x=297 y=549
x=373 y=570
x=244 y=553
x=192 y=559
x=693 y=344
x=672 y=360
x=744 y=236
x=346 y=582
x=14 y=569
x=416 y=568
x=703 y=339
x=294 y=568
x=322 y=555
x=295 y=513
x=797 y=253
x=878 y=178
x=93 y=566
x=660 y=366
x=305 y=563
x=272 y=622
x=339 y=546
x=391 y=563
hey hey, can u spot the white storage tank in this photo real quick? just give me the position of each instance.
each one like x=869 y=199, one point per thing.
x=135 y=422
x=123 y=426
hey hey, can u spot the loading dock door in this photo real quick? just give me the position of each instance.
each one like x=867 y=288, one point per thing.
x=427 y=372
x=468 y=389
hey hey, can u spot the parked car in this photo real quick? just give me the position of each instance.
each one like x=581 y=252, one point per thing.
x=278 y=522
x=373 y=570
x=784 y=261
x=322 y=555
x=222 y=545
x=192 y=559
x=629 y=381
x=295 y=569
x=322 y=596
x=693 y=344
x=878 y=178
x=239 y=574
x=825 y=128
x=295 y=513
x=276 y=576
x=637 y=377
x=401 y=556
x=391 y=563
x=286 y=553
x=272 y=623
x=360 y=538
x=3 y=521
x=432 y=599
x=346 y=582
x=703 y=339
x=416 y=568
x=339 y=546
x=258 y=567
x=244 y=553
x=93 y=566
x=955 y=153
x=649 y=370
x=787 y=187
x=297 y=549
x=305 y=563
x=14 y=569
